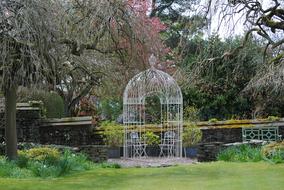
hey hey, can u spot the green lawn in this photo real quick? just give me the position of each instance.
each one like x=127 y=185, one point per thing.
x=209 y=176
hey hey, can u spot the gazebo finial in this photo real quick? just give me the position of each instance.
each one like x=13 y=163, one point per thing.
x=152 y=61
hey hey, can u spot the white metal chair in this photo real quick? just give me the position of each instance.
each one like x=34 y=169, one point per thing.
x=138 y=148
x=167 y=146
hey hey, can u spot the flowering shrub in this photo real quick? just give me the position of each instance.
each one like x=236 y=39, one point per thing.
x=150 y=138
x=112 y=134
x=274 y=152
x=40 y=154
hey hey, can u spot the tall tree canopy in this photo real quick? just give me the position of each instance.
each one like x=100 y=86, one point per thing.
x=262 y=23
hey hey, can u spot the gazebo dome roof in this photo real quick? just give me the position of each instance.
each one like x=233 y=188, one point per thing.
x=152 y=82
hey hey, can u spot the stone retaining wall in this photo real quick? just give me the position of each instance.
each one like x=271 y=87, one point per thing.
x=97 y=153
x=69 y=135
x=28 y=122
x=231 y=130
x=80 y=132
x=225 y=135
x=74 y=131
x=208 y=151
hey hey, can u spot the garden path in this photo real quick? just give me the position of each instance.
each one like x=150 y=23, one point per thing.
x=151 y=162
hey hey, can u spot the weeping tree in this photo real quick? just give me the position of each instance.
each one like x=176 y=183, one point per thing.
x=65 y=46
x=26 y=34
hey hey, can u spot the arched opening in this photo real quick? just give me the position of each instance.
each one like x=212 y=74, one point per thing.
x=153 y=110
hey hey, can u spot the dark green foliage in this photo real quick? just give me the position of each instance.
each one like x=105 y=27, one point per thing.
x=110 y=108
x=190 y=114
x=214 y=83
x=10 y=169
x=22 y=161
x=152 y=109
x=53 y=105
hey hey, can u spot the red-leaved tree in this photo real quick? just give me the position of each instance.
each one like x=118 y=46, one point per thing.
x=146 y=39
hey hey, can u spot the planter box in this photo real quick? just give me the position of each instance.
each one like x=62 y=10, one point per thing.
x=114 y=152
x=153 y=151
x=190 y=152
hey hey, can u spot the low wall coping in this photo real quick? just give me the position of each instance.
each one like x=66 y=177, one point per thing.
x=68 y=121
x=77 y=123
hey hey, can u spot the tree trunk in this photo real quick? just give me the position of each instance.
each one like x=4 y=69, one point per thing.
x=10 y=121
x=67 y=113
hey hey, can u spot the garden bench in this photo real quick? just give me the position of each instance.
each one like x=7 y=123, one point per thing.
x=269 y=133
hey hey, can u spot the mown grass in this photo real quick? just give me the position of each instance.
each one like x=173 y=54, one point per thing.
x=215 y=175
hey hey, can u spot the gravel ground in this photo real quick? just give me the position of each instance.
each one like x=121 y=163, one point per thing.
x=151 y=162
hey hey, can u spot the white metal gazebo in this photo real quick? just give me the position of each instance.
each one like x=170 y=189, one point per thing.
x=152 y=82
